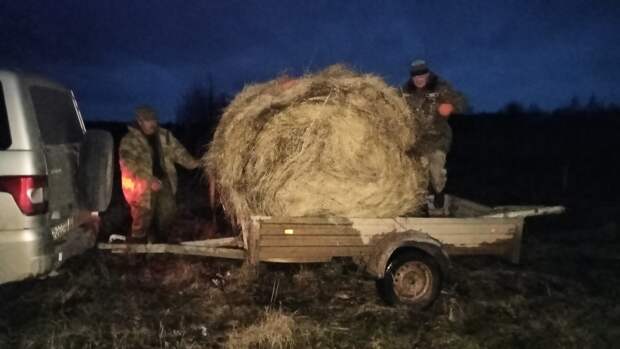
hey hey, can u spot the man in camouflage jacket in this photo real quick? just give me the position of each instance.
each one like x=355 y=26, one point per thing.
x=147 y=156
x=432 y=101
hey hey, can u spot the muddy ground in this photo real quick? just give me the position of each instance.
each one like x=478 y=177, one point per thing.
x=563 y=295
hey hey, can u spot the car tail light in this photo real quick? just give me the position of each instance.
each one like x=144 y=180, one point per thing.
x=29 y=192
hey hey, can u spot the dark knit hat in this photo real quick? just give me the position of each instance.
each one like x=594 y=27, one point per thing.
x=418 y=67
x=145 y=112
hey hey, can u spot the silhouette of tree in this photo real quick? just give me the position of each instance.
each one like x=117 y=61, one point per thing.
x=534 y=109
x=575 y=105
x=198 y=115
x=594 y=105
x=573 y=108
x=613 y=108
x=513 y=109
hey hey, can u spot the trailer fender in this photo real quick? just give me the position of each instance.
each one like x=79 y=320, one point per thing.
x=388 y=244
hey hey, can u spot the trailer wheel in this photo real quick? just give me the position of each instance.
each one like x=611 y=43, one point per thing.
x=411 y=278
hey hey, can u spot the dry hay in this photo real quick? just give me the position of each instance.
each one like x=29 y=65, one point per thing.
x=275 y=330
x=330 y=143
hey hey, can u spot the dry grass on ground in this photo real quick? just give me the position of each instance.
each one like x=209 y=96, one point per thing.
x=564 y=295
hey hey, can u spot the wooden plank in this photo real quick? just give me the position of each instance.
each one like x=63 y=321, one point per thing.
x=505 y=250
x=489 y=250
x=433 y=226
x=253 y=243
x=468 y=238
x=297 y=259
x=407 y=222
x=297 y=229
x=305 y=254
x=174 y=249
x=525 y=211
x=332 y=220
x=310 y=241
x=221 y=242
x=207 y=251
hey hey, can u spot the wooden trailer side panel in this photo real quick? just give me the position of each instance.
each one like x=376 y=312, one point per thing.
x=318 y=239
x=459 y=236
x=312 y=240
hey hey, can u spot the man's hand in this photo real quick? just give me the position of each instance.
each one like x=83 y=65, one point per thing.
x=155 y=185
x=445 y=109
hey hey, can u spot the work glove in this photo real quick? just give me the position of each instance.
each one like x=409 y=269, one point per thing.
x=445 y=109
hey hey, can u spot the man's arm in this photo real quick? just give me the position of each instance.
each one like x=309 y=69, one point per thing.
x=452 y=96
x=181 y=155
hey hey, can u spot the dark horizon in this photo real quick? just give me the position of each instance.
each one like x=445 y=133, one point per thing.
x=116 y=55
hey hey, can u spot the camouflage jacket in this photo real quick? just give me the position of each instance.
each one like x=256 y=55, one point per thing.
x=434 y=131
x=136 y=162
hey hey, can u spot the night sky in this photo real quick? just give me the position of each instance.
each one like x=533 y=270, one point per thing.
x=116 y=54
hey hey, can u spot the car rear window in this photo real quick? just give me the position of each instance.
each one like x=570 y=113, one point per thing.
x=56 y=114
x=5 y=133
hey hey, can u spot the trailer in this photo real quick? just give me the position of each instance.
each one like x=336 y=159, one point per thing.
x=408 y=256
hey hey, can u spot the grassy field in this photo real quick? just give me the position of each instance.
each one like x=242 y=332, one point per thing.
x=563 y=295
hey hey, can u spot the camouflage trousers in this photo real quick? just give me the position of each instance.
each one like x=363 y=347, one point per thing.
x=153 y=223
x=437 y=170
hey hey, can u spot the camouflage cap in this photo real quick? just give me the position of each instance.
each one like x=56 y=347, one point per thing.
x=418 y=67
x=145 y=112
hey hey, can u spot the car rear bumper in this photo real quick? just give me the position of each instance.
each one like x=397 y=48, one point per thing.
x=25 y=253
x=30 y=253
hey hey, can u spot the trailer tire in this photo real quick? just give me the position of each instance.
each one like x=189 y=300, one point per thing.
x=412 y=278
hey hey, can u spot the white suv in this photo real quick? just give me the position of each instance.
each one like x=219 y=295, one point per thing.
x=54 y=176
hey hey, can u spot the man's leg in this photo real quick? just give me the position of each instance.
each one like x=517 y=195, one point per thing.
x=439 y=176
x=437 y=167
x=165 y=211
x=141 y=218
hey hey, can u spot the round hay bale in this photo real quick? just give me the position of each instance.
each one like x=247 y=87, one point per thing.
x=330 y=143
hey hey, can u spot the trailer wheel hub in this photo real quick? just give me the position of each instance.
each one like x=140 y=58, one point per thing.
x=412 y=281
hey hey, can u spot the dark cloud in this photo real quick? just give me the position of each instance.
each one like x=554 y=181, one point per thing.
x=116 y=54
